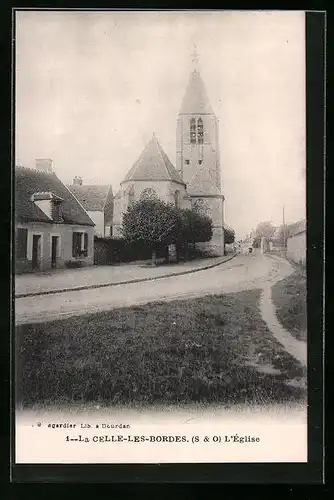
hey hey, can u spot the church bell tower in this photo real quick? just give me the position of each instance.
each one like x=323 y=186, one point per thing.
x=197 y=154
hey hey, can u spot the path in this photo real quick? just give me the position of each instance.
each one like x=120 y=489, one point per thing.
x=297 y=348
x=244 y=272
x=97 y=276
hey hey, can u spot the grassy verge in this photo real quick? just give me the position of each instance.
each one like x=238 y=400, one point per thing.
x=215 y=349
x=289 y=297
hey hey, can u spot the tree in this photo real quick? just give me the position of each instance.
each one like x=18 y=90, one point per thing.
x=194 y=226
x=280 y=236
x=151 y=222
x=229 y=235
x=265 y=230
x=157 y=224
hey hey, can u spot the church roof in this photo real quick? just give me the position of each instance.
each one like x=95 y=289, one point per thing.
x=154 y=165
x=202 y=183
x=195 y=100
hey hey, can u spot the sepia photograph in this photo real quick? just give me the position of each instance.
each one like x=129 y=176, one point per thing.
x=160 y=237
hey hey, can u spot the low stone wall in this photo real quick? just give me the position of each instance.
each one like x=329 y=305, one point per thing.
x=296 y=248
x=215 y=247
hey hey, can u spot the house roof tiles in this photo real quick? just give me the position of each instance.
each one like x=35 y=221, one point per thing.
x=30 y=181
x=92 y=197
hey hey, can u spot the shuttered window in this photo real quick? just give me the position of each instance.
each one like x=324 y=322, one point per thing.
x=76 y=246
x=21 y=243
x=86 y=244
x=80 y=244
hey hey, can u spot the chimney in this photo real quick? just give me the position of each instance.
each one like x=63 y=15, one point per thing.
x=44 y=164
x=77 y=181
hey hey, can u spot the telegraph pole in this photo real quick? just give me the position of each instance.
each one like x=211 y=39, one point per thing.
x=284 y=232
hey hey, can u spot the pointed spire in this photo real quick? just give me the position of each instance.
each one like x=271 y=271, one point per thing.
x=195 y=100
x=194 y=58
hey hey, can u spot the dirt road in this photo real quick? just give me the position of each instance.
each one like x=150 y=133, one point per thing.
x=244 y=272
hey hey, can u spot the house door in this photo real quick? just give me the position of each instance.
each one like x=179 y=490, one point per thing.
x=54 y=251
x=36 y=251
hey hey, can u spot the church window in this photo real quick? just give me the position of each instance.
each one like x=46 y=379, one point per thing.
x=148 y=194
x=177 y=198
x=202 y=207
x=187 y=162
x=200 y=130
x=193 y=131
x=131 y=195
x=200 y=162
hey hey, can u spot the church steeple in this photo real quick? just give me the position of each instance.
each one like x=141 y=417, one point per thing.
x=194 y=58
x=197 y=135
x=195 y=100
x=197 y=153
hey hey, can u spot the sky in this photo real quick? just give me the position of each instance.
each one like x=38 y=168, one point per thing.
x=92 y=87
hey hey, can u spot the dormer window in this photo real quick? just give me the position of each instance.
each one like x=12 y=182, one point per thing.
x=50 y=204
x=57 y=210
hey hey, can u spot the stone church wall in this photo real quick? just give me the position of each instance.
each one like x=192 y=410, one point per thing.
x=133 y=190
x=214 y=247
x=208 y=152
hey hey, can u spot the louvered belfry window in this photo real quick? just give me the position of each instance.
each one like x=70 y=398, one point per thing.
x=200 y=130
x=193 y=131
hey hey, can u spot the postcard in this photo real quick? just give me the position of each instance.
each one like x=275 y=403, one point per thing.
x=160 y=237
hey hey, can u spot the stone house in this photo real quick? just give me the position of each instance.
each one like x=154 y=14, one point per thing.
x=98 y=201
x=52 y=229
x=296 y=242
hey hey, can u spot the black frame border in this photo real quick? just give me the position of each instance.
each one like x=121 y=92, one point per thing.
x=256 y=473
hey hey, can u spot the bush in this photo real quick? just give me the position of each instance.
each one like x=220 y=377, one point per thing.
x=117 y=250
x=193 y=227
x=72 y=264
x=229 y=236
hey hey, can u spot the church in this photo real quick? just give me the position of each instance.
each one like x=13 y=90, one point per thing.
x=195 y=181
